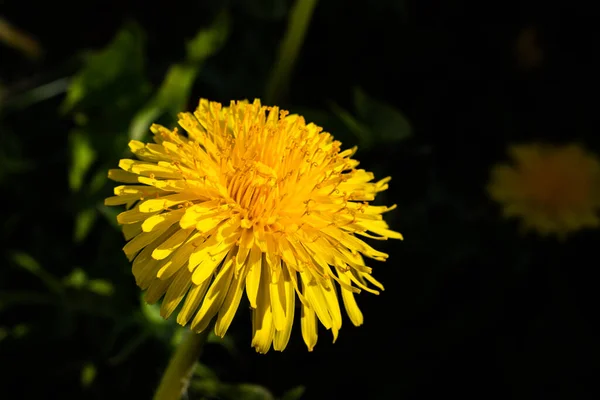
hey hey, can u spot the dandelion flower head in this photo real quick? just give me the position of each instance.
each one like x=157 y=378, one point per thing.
x=250 y=200
x=552 y=189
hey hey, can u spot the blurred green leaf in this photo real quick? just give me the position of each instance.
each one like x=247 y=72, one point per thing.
x=385 y=122
x=214 y=389
x=77 y=278
x=247 y=391
x=208 y=41
x=171 y=98
x=106 y=68
x=82 y=157
x=101 y=287
x=175 y=90
x=203 y=371
x=266 y=9
x=278 y=84
x=177 y=337
x=20 y=330
x=12 y=160
x=37 y=94
x=227 y=342
x=173 y=94
x=4 y=333
x=80 y=118
x=294 y=394
x=329 y=122
x=10 y=298
x=97 y=182
x=356 y=127
x=110 y=213
x=83 y=224
x=88 y=374
x=129 y=348
x=152 y=313
x=316 y=116
x=207 y=387
x=28 y=263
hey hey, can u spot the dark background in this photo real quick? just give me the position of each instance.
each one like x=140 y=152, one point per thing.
x=472 y=307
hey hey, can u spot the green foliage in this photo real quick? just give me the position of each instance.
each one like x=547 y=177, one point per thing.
x=289 y=48
x=88 y=374
x=386 y=123
x=173 y=94
x=29 y=264
x=12 y=161
x=105 y=71
x=152 y=313
x=206 y=383
x=209 y=41
x=82 y=157
x=375 y=122
x=101 y=287
x=77 y=278
x=270 y=10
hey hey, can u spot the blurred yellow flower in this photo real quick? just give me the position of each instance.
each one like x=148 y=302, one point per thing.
x=553 y=189
x=251 y=199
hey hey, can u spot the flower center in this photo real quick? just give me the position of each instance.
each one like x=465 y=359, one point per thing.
x=254 y=188
x=560 y=187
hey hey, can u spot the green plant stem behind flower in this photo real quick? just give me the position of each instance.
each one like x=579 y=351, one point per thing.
x=299 y=19
x=176 y=378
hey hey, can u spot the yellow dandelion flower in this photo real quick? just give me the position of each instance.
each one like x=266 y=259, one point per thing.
x=251 y=200
x=553 y=189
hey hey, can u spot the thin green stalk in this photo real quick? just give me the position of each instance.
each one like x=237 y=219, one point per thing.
x=289 y=48
x=177 y=376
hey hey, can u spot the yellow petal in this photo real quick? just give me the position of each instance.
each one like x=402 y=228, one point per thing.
x=149 y=169
x=207 y=266
x=177 y=290
x=122 y=176
x=308 y=325
x=213 y=250
x=230 y=304
x=145 y=238
x=192 y=302
x=144 y=269
x=164 y=202
x=282 y=336
x=262 y=318
x=333 y=308
x=352 y=309
x=148 y=152
x=254 y=268
x=278 y=299
x=120 y=200
x=167 y=247
x=179 y=258
x=317 y=301
x=131 y=230
x=132 y=216
x=157 y=221
x=215 y=296
x=198 y=211
x=156 y=290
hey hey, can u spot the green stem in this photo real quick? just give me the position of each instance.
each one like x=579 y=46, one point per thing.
x=289 y=48
x=177 y=376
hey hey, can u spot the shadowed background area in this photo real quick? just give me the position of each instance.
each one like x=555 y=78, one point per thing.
x=432 y=92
